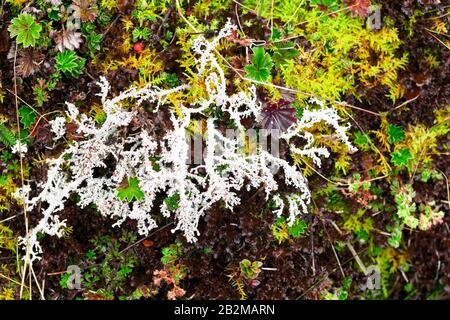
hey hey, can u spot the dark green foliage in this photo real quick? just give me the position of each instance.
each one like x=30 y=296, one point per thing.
x=27 y=116
x=261 y=65
x=395 y=134
x=69 y=63
x=172 y=202
x=401 y=157
x=6 y=136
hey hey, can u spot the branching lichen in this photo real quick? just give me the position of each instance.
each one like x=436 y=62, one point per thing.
x=220 y=179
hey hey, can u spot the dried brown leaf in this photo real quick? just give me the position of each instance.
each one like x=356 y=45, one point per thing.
x=86 y=10
x=67 y=39
x=28 y=61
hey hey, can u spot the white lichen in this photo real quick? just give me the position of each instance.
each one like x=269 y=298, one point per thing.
x=19 y=148
x=161 y=165
x=58 y=127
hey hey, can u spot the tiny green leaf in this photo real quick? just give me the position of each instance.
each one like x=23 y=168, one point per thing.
x=172 y=202
x=69 y=63
x=27 y=116
x=283 y=52
x=299 y=113
x=298 y=228
x=64 y=280
x=261 y=65
x=90 y=255
x=395 y=134
x=361 y=139
x=401 y=157
x=131 y=192
x=276 y=35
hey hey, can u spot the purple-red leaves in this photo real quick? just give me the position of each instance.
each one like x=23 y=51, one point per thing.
x=277 y=115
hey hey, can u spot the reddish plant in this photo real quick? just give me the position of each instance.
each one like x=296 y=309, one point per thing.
x=277 y=115
x=358 y=7
x=171 y=278
x=40 y=130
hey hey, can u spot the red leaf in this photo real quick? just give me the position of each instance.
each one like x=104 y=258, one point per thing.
x=358 y=7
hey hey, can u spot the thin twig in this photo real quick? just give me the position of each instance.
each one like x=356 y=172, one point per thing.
x=244 y=6
x=440 y=41
x=23 y=101
x=110 y=26
x=12 y=280
x=295 y=13
x=22 y=179
x=355 y=255
x=439 y=33
x=447 y=184
x=405 y=103
x=9 y=218
x=326 y=276
x=334 y=250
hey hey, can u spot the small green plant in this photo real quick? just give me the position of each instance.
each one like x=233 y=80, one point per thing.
x=105 y=268
x=283 y=51
x=171 y=79
x=362 y=140
x=429 y=174
x=357 y=184
x=6 y=136
x=7 y=239
x=330 y=5
x=395 y=134
x=396 y=235
x=40 y=95
x=141 y=34
x=67 y=232
x=359 y=224
x=7 y=294
x=98 y=114
x=282 y=231
x=25 y=29
x=5 y=155
x=90 y=255
x=401 y=157
x=171 y=254
x=64 y=278
x=250 y=270
x=430 y=215
x=93 y=40
x=172 y=202
x=405 y=206
x=172 y=273
x=27 y=116
x=244 y=275
x=261 y=65
x=69 y=63
x=131 y=191
x=340 y=293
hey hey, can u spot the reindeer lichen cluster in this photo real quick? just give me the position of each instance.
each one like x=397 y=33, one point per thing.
x=220 y=178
